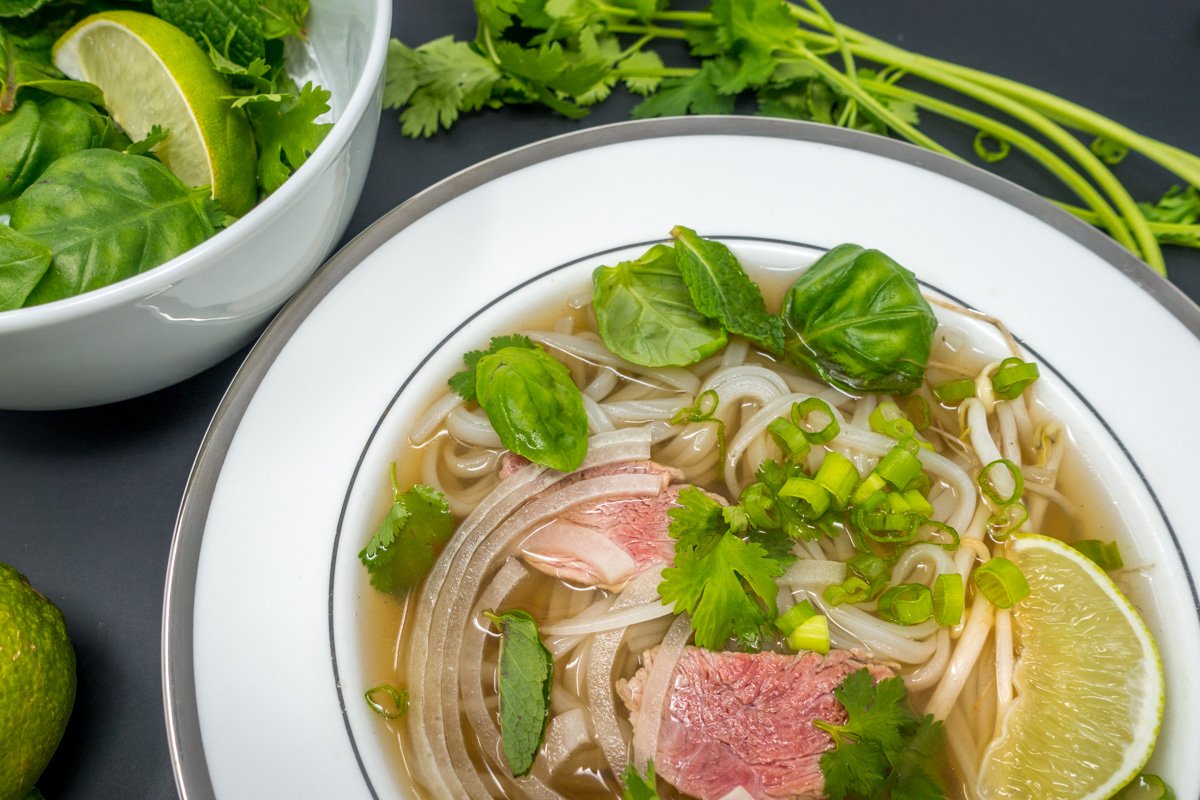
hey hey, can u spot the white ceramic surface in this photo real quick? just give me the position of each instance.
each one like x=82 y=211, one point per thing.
x=262 y=670
x=179 y=318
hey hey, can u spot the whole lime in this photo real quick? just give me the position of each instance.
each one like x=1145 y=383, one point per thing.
x=37 y=682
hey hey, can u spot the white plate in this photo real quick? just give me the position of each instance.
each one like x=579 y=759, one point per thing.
x=263 y=681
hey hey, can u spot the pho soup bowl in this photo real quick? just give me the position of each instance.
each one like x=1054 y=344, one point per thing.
x=181 y=317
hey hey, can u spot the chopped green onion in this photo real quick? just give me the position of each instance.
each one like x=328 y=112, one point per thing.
x=988 y=486
x=852 y=590
x=398 y=706
x=869 y=567
x=802 y=411
x=1007 y=521
x=1012 y=376
x=898 y=467
x=838 y=475
x=916 y=408
x=948 y=598
x=888 y=528
x=942 y=527
x=814 y=498
x=1001 y=582
x=792 y=440
x=1106 y=555
x=868 y=488
x=888 y=419
x=953 y=392
x=791 y=619
x=918 y=503
x=705 y=410
x=812 y=634
x=906 y=604
x=1146 y=787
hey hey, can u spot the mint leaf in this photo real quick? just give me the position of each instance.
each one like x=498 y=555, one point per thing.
x=235 y=22
x=721 y=289
x=287 y=131
x=283 y=18
x=526 y=672
x=408 y=541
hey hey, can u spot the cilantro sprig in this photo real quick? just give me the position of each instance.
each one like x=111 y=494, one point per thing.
x=407 y=542
x=883 y=750
x=791 y=59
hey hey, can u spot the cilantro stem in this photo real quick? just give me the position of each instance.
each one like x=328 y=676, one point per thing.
x=649 y=30
x=665 y=72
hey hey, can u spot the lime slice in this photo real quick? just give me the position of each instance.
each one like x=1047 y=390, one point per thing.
x=152 y=73
x=1089 y=684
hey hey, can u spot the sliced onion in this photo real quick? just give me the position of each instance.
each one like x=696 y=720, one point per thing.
x=617 y=619
x=738 y=793
x=655 y=691
x=578 y=553
x=566 y=735
x=814 y=572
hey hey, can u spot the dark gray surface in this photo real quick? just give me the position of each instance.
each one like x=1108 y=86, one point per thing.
x=89 y=497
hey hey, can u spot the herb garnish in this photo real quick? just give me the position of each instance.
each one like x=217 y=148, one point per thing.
x=526 y=672
x=638 y=788
x=409 y=539
x=398 y=699
x=884 y=750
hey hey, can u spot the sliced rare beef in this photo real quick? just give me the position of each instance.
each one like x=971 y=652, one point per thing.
x=745 y=719
x=606 y=542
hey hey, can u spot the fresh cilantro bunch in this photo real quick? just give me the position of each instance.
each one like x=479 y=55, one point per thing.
x=787 y=59
x=884 y=751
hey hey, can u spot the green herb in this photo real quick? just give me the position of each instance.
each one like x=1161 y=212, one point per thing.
x=883 y=750
x=36 y=135
x=283 y=18
x=1146 y=787
x=721 y=290
x=530 y=399
x=639 y=788
x=705 y=410
x=155 y=135
x=408 y=541
x=287 y=131
x=398 y=699
x=106 y=216
x=725 y=582
x=23 y=262
x=646 y=315
x=526 y=673
x=27 y=64
x=857 y=319
x=238 y=23
x=1106 y=555
x=794 y=60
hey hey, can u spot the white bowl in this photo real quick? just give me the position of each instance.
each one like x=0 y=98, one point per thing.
x=173 y=321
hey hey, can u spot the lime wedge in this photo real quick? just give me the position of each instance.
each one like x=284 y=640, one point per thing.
x=152 y=73
x=1089 y=684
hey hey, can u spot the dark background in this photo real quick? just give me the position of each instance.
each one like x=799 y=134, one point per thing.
x=88 y=498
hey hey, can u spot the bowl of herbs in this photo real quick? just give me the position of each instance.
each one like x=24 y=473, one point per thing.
x=170 y=173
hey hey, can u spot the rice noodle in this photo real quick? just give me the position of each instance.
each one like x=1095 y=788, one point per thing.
x=931 y=671
x=596 y=353
x=966 y=653
x=1003 y=641
x=427 y=424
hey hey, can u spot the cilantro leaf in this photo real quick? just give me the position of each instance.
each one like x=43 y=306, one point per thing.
x=287 y=131
x=639 y=788
x=283 y=18
x=1179 y=206
x=726 y=583
x=749 y=32
x=638 y=70
x=883 y=750
x=436 y=82
x=463 y=383
x=408 y=540
x=155 y=135
x=693 y=95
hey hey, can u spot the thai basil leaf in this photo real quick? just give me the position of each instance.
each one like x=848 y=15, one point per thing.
x=533 y=404
x=236 y=25
x=34 y=136
x=721 y=289
x=107 y=216
x=646 y=315
x=858 y=320
x=526 y=673
x=23 y=262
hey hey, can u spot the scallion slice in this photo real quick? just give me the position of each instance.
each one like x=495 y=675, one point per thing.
x=948 y=598
x=814 y=499
x=1007 y=521
x=899 y=467
x=918 y=503
x=792 y=440
x=1012 y=376
x=867 y=489
x=1106 y=555
x=852 y=590
x=812 y=634
x=906 y=603
x=838 y=475
x=916 y=408
x=888 y=419
x=1001 y=582
x=805 y=409
x=988 y=487
x=791 y=619
x=953 y=392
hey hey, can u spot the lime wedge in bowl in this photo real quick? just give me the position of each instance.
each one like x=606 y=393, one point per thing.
x=152 y=73
x=1089 y=684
